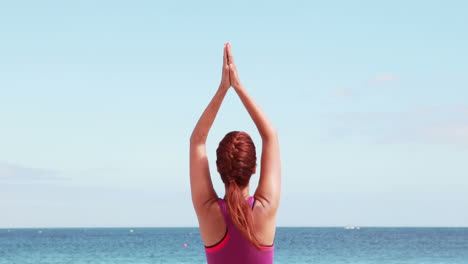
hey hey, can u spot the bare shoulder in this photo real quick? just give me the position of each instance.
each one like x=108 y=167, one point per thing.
x=211 y=222
x=266 y=208
x=264 y=215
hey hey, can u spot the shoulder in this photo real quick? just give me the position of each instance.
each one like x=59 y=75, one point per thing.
x=264 y=215
x=211 y=221
x=265 y=207
x=207 y=207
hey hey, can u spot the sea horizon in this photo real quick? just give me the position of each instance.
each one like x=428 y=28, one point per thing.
x=337 y=226
x=144 y=245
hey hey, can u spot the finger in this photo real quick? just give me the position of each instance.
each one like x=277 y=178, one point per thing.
x=232 y=68
x=229 y=52
x=225 y=62
x=232 y=72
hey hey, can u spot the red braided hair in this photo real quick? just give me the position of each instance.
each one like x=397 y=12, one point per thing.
x=236 y=162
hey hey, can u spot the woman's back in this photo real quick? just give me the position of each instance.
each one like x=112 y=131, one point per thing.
x=234 y=247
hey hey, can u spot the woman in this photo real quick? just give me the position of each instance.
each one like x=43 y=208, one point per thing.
x=239 y=228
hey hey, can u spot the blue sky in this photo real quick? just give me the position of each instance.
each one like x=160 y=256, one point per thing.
x=98 y=100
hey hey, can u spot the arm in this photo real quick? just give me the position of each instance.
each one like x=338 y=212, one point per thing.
x=269 y=186
x=200 y=180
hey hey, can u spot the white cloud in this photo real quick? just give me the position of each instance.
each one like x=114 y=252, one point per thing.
x=342 y=93
x=438 y=124
x=386 y=77
x=452 y=134
x=14 y=173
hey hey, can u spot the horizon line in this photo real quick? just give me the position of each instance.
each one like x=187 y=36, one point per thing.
x=135 y=227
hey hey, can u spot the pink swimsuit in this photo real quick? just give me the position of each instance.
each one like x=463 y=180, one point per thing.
x=234 y=248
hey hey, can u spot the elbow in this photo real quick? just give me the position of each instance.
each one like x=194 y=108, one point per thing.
x=192 y=139
x=272 y=134
x=197 y=138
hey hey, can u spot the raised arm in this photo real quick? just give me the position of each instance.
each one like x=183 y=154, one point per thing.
x=269 y=186
x=200 y=178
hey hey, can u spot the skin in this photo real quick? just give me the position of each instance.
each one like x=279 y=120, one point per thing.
x=267 y=194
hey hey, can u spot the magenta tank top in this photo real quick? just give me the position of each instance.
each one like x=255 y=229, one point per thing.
x=234 y=248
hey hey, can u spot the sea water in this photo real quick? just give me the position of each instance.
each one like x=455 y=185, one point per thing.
x=183 y=245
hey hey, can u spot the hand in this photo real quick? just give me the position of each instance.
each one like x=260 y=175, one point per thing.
x=225 y=81
x=233 y=75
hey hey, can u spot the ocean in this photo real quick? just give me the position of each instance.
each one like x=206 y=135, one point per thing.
x=327 y=245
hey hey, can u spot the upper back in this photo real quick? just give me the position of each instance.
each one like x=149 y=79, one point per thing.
x=233 y=247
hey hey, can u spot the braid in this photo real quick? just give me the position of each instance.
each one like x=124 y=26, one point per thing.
x=236 y=161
